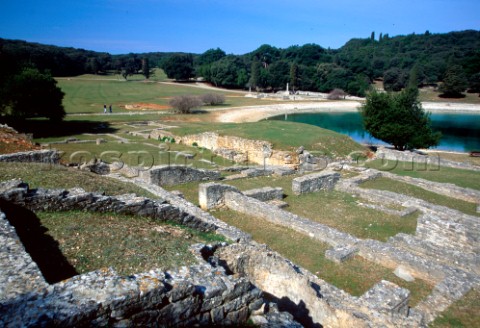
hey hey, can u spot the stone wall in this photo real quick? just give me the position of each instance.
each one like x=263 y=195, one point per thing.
x=419 y=160
x=171 y=175
x=196 y=295
x=36 y=156
x=324 y=180
x=236 y=148
x=314 y=302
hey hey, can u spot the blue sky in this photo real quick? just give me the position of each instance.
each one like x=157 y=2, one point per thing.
x=123 y=26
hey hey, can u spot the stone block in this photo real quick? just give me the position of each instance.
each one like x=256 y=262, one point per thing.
x=403 y=273
x=171 y=175
x=341 y=253
x=265 y=194
x=325 y=180
x=386 y=296
x=211 y=195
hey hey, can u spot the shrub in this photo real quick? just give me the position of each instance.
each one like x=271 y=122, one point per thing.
x=213 y=99
x=337 y=94
x=184 y=104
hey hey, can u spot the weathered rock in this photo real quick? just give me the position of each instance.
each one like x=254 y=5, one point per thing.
x=171 y=175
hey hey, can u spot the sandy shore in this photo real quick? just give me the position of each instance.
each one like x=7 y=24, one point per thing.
x=257 y=113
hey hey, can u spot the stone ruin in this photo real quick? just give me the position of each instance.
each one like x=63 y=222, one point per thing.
x=232 y=282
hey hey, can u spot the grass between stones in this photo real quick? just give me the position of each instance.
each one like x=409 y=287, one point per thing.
x=129 y=244
x=355 y=276
x=461 y=178
x=463 y=313
x=417 y=192
x=336 y=209
x=57 y=176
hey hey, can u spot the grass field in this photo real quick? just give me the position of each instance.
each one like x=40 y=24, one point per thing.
x=465 y=313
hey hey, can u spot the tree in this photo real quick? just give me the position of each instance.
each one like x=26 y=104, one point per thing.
x=212 y=99
x=146 y=70
x=337 y=94
x=184 y=104
x=294 y=76
x=454 y=83
x=31 y=93
x=394 y=79
x=399 y=119
x=179 y=67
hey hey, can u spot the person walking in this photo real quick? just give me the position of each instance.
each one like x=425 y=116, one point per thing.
x=110 y=108
x=104 y=108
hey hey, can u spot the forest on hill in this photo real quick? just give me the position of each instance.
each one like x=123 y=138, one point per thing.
x=433 y=58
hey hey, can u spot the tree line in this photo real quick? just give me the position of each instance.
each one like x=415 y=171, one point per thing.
x=453 y=58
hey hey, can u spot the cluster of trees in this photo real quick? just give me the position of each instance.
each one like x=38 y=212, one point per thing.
x=62 y=61
x=452 y=57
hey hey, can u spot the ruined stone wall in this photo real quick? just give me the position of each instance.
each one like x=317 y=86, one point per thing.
x=433 y=161
x=196 y=295
x=324 y=180
x=237 y=149
x=36 y=156
x=170 y=175
x=314 y=302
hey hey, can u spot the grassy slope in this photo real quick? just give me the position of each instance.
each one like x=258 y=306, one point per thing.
x=283 y=135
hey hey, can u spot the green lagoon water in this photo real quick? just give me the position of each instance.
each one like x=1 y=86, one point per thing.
x=460 y=132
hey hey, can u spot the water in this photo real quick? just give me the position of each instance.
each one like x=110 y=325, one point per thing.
x=460 y=132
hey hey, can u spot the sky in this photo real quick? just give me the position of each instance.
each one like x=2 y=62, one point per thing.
x=238 y=27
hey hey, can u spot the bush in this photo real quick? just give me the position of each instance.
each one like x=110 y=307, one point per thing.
x=213 y=99
x=184 y=104
x=337 y=94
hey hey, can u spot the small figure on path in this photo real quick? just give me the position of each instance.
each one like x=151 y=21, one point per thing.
x=110 y=108
x=104 y=109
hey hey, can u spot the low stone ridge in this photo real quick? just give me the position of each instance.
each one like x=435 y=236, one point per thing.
x=211 y=195
x=170 y=175
x=34 y=156
x=418 y=158
x=19 y=274
x=324 y=180
x=194 y=213
x=265 y=194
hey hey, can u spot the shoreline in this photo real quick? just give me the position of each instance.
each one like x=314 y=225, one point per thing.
x=259 y=112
